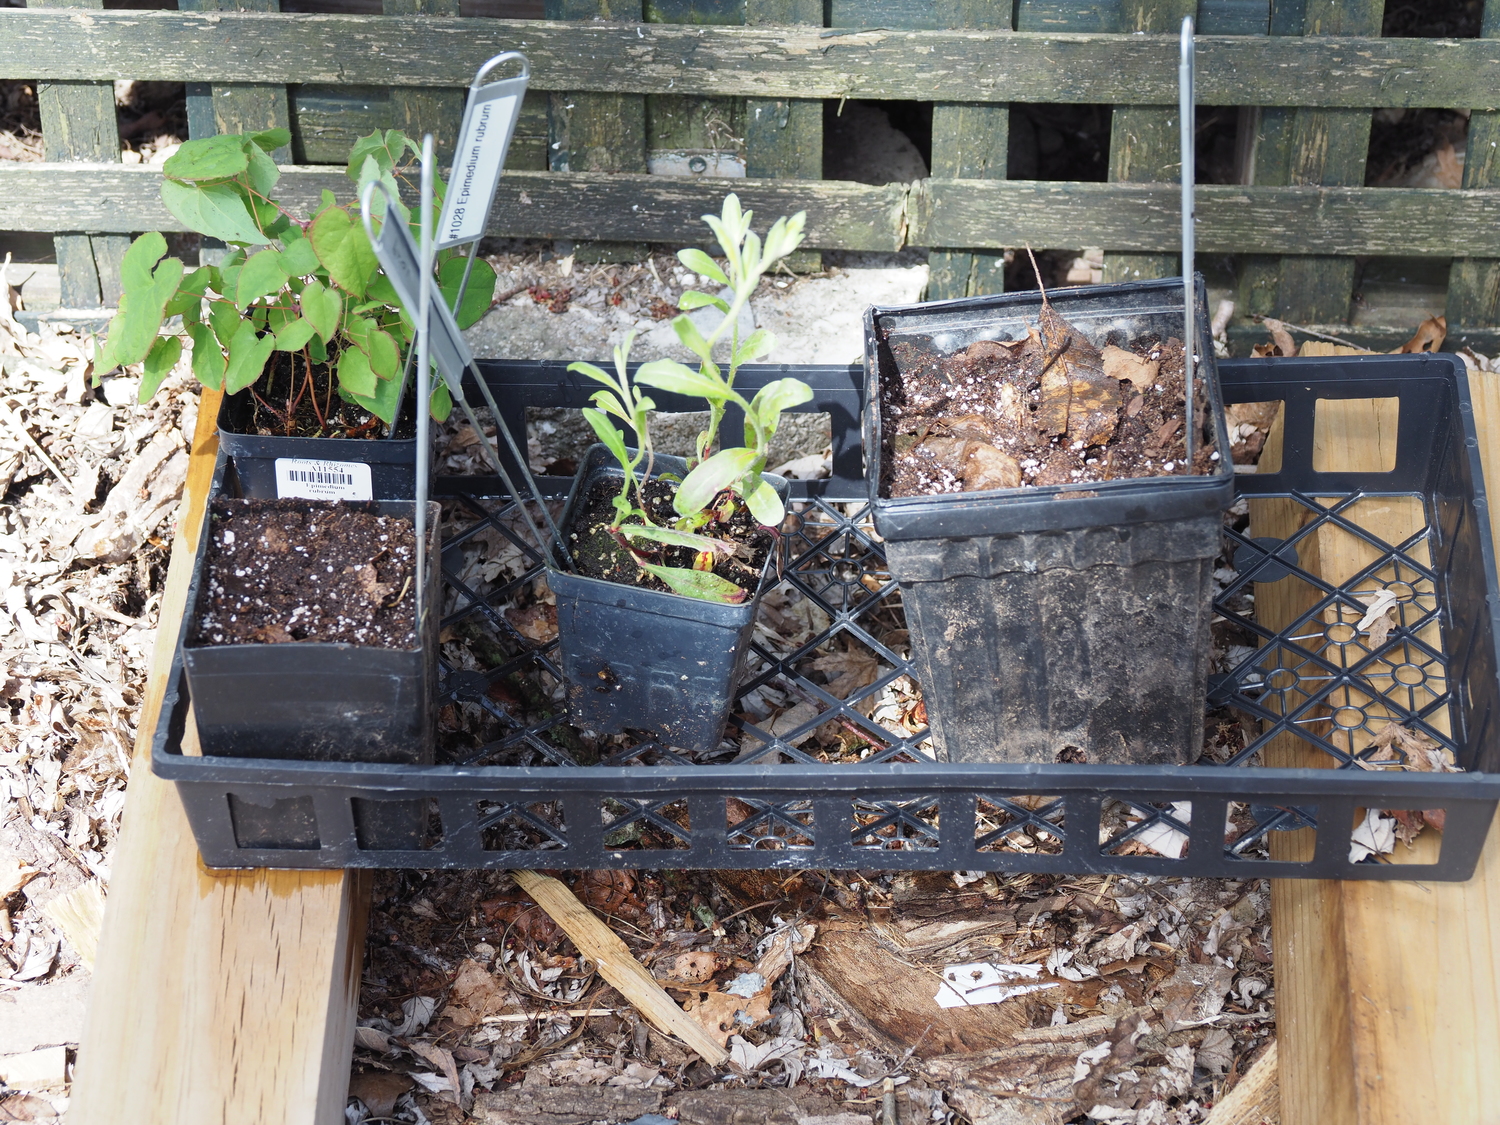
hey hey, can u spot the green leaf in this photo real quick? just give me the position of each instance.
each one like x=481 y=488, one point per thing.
x=229 y=272
x=386 y=148
x=380 y=289
x=765 y=505
x=774 y=397
x=225 y=321
x=754 y=346
x=702 y=584
x=160 y=360
x=208 y=356
x=263 y=172
x=294 y=337
x=701 y=263
x=248 y=353
x=188 y=301
x=691 y=338
x=355 y=375
x=678 y=538
x=385 y=355
x=209 y=158
x=383 y=402
x=613 y=438
x=299 y=258
x=678 y=378
x=478 y=296
x=344 y=250
x=143 y=301
x=218 y=210
x=692 y=299
x=322 y=306
x=593 y=372
x=723 y=470
x=269 y=140
x=261 y=274
x=442 y=404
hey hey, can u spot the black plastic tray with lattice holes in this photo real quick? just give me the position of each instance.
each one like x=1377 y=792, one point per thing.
x=1316 y=690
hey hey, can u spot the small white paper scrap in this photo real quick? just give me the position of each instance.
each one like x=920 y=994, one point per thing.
x=982 y=982
x=306 y=479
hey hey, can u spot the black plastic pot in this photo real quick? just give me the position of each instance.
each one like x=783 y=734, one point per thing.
x=648 y=660
x=332 y=468
x=313 y=701
x=1062 y=623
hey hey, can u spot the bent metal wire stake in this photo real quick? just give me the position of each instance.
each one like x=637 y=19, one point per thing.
x=446 y=349
x=1185 y=113
x=424 y=367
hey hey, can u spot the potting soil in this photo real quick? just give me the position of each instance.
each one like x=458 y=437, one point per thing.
x=1049 y=409
x=299 y=398
x=277 y=571
x=600 y=555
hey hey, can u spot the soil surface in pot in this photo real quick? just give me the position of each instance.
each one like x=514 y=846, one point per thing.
x=1049 y=409
x=600 y=555
x=277 y=571
x=300 y=398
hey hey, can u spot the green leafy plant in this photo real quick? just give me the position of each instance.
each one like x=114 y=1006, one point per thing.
x=311 y=288
x=717 y=483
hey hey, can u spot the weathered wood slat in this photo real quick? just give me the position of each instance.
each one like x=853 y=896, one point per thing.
x=240 y=106
x=1328 y=146
x=430 y=110
x=957 y=65
x=1145 y=142
x=970 y=141
x=1474 y=283
x=979 y=213
x=784 y=136
x=78 y=123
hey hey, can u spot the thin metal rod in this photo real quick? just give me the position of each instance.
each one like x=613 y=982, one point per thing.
x=406 y=370
x=1185 y=111
x=463 y=286
x=510 y=485
x=424 y=371
x=515 y=451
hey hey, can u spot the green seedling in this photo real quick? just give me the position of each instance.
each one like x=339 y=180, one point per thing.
x=310 y=287
x=717 y=482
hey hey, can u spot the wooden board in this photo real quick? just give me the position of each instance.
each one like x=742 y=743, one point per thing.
x=238 y=106
x=849 y=216
x=217 y=996
x=1388 y=994
x=430 y=109
x=956 y=65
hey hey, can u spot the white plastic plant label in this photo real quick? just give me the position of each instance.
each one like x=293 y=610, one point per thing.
x=483 y=140
x=305 y=479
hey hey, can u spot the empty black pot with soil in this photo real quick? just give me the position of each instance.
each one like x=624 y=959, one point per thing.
x=360 y=464
x=302 y=642
x=649 y=659
x=1057 y=576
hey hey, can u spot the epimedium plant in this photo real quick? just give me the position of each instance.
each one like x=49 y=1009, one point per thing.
x=717 y=483
x=309 y=288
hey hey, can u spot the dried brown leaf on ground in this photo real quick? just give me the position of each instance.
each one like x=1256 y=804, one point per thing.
x=1428 y=337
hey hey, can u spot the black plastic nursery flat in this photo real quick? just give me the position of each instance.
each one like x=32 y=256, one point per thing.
x=825 y=762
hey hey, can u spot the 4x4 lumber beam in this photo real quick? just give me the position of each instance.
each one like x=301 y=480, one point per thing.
x=222 y=996
x=760 y=62
x=847 y=216
x=1474 y=283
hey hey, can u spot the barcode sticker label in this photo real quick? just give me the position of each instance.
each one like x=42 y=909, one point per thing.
x=322 y=480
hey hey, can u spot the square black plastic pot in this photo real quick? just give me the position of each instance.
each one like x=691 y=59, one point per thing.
x=391 y=462
x=1061 y=623
x=649 y=660
x=320 y=702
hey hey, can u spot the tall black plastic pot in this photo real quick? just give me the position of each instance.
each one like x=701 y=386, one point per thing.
x=1063 y=623
x=313 y=701
x=328 y=468
x=648 y=660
